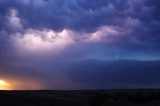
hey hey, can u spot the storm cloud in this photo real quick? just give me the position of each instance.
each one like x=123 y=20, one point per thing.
x=46 y=39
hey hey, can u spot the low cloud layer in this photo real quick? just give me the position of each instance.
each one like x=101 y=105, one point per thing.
x=116 y=74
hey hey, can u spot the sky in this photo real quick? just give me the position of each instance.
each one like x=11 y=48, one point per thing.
x=80 y=44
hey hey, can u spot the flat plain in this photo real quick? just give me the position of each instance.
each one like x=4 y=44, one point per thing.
x=122 y=97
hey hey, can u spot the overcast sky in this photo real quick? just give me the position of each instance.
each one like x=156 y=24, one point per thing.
x=80 y=44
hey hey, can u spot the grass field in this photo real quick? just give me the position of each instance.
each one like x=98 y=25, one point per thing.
x=134 y=97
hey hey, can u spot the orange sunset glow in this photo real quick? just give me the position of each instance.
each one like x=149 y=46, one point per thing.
x=17 y=82
x=4 y=85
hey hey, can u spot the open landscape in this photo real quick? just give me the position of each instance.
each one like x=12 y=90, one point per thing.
x=134 y=97
x=79 y=52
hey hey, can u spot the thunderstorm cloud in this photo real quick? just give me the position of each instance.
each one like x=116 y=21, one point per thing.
x=80 y=44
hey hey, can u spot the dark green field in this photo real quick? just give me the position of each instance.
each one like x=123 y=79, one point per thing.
x=81 y=98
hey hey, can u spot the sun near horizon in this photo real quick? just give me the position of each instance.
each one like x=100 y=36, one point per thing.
x=4 y=85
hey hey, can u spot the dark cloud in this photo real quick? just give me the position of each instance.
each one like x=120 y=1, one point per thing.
x=141 y=18
x=107 y=74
